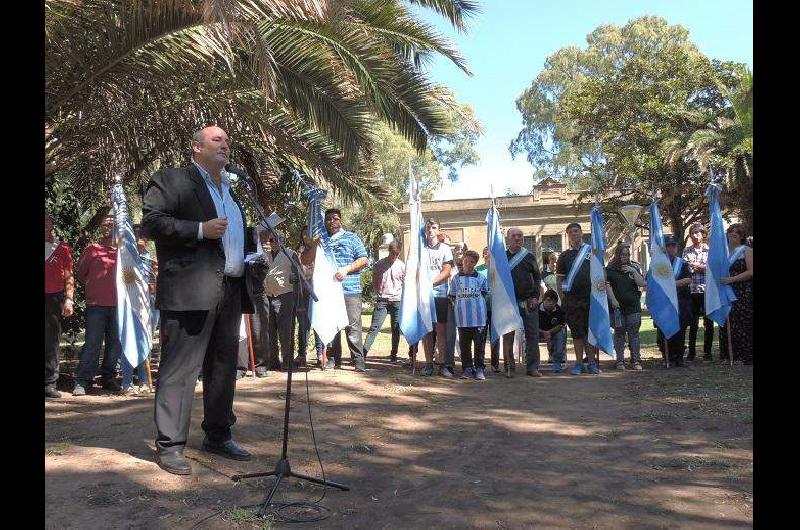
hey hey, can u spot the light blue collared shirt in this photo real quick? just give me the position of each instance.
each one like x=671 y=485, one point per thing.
x=233 y=237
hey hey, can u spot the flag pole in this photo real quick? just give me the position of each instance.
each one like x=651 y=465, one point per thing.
x=508 y=356
x=730 y=339
x=249 y=331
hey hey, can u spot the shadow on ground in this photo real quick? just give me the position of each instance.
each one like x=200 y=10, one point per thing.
x=659 y=448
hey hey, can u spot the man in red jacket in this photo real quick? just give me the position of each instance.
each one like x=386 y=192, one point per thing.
x=59 y=287
x=97 y=272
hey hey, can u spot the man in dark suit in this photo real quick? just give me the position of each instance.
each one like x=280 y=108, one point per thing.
x=199 y=232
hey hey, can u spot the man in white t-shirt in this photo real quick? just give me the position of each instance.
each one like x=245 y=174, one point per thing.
x=440 y=261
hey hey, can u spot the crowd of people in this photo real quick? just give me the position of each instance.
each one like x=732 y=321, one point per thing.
x=205 y=284
x=549 y=302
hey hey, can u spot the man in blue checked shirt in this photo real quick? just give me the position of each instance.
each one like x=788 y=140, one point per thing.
x=351 y=256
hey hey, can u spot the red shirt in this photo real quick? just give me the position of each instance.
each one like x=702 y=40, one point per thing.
x=56 y=268
x=97 y=271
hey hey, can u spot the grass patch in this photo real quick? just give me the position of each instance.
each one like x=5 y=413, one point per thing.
x=56 y=449
x=241 y=515
x=690 y=463
x=613 y=434
x=361 y=447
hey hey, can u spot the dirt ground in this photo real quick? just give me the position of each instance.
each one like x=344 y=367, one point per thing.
x=657 y=449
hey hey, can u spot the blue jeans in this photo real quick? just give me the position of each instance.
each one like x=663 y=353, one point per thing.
x=630 y=326
x=101 y=326
x=382 y=307
x=557 y=346
x=127 y=372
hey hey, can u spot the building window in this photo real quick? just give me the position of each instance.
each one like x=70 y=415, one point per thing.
x=529 y=242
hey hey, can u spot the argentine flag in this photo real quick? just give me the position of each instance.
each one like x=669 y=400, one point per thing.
x=133 y=296
x=328 y=312
x=417 y=308
x=599 y=323
x=505 y=313
x=662 y=295
x=718 y=297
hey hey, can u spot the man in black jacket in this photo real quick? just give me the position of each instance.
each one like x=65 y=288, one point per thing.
x=199 y=232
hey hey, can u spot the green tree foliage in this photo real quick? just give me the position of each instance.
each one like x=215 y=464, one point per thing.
x=395 y=156
x=599 y=117
x=296 y=83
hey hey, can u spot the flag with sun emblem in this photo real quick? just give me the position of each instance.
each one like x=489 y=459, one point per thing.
x=133 y=299
x=662 y=295
x=599 y=322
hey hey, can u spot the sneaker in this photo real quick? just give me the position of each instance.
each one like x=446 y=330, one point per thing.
x=112 y=385
x=620 y=365
x=637 y=366
x=265 y=373
x=239 y=374
x=427 y=371
x=577 y=369
x=78 y=390
x=496 y=368
x=469 y=373
x=50 y=392
x=593 y=369
x=556 y=367
x=479 y=374
x=360 y=366
x=331 y=364
x=534 y=373
x=393 y=358
x=445 y=372
x=130 y=390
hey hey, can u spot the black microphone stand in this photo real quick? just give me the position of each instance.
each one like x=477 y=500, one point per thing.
x=282 y=468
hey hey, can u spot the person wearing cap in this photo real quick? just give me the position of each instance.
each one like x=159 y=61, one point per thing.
x=683 y=279
x=273 y=327
x=696 y=256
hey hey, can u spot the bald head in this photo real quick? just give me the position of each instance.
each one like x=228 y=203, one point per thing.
x=514 y=239
x=211 y=148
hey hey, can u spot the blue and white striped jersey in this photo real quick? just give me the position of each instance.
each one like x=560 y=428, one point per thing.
x=469 y=291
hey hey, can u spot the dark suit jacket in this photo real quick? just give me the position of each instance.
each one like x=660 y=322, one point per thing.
x=190 y=272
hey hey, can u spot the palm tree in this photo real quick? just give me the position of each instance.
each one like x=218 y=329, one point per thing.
x=296 y=83
x=724 y=140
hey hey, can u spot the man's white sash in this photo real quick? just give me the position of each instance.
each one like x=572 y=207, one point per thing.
x=566 y=285
x=676 y=266
x=518 y=257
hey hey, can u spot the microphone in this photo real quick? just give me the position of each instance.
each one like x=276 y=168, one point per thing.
x=239 y=172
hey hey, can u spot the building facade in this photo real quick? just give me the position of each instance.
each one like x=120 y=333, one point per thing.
x=542 y=216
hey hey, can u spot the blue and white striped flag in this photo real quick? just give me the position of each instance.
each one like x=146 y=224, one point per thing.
x=505 y=312
x=133 y=294
x=328 y=312
x=417 y=307
x=599 y=323
x=662 y=295
x=718 y=297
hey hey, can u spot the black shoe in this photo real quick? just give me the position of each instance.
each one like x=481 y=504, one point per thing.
x=690 y=357
x=392 y=358
x=50 y=392
x=228 y=449
x=337 y=366
x=299 y=361
x=112 y=385
x=707 y=357
x=496 y=368
x=173 y=462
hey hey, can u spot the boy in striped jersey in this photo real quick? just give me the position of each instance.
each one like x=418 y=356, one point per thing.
x=468 y=289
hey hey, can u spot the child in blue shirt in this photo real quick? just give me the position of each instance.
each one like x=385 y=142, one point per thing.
x=468 y=290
